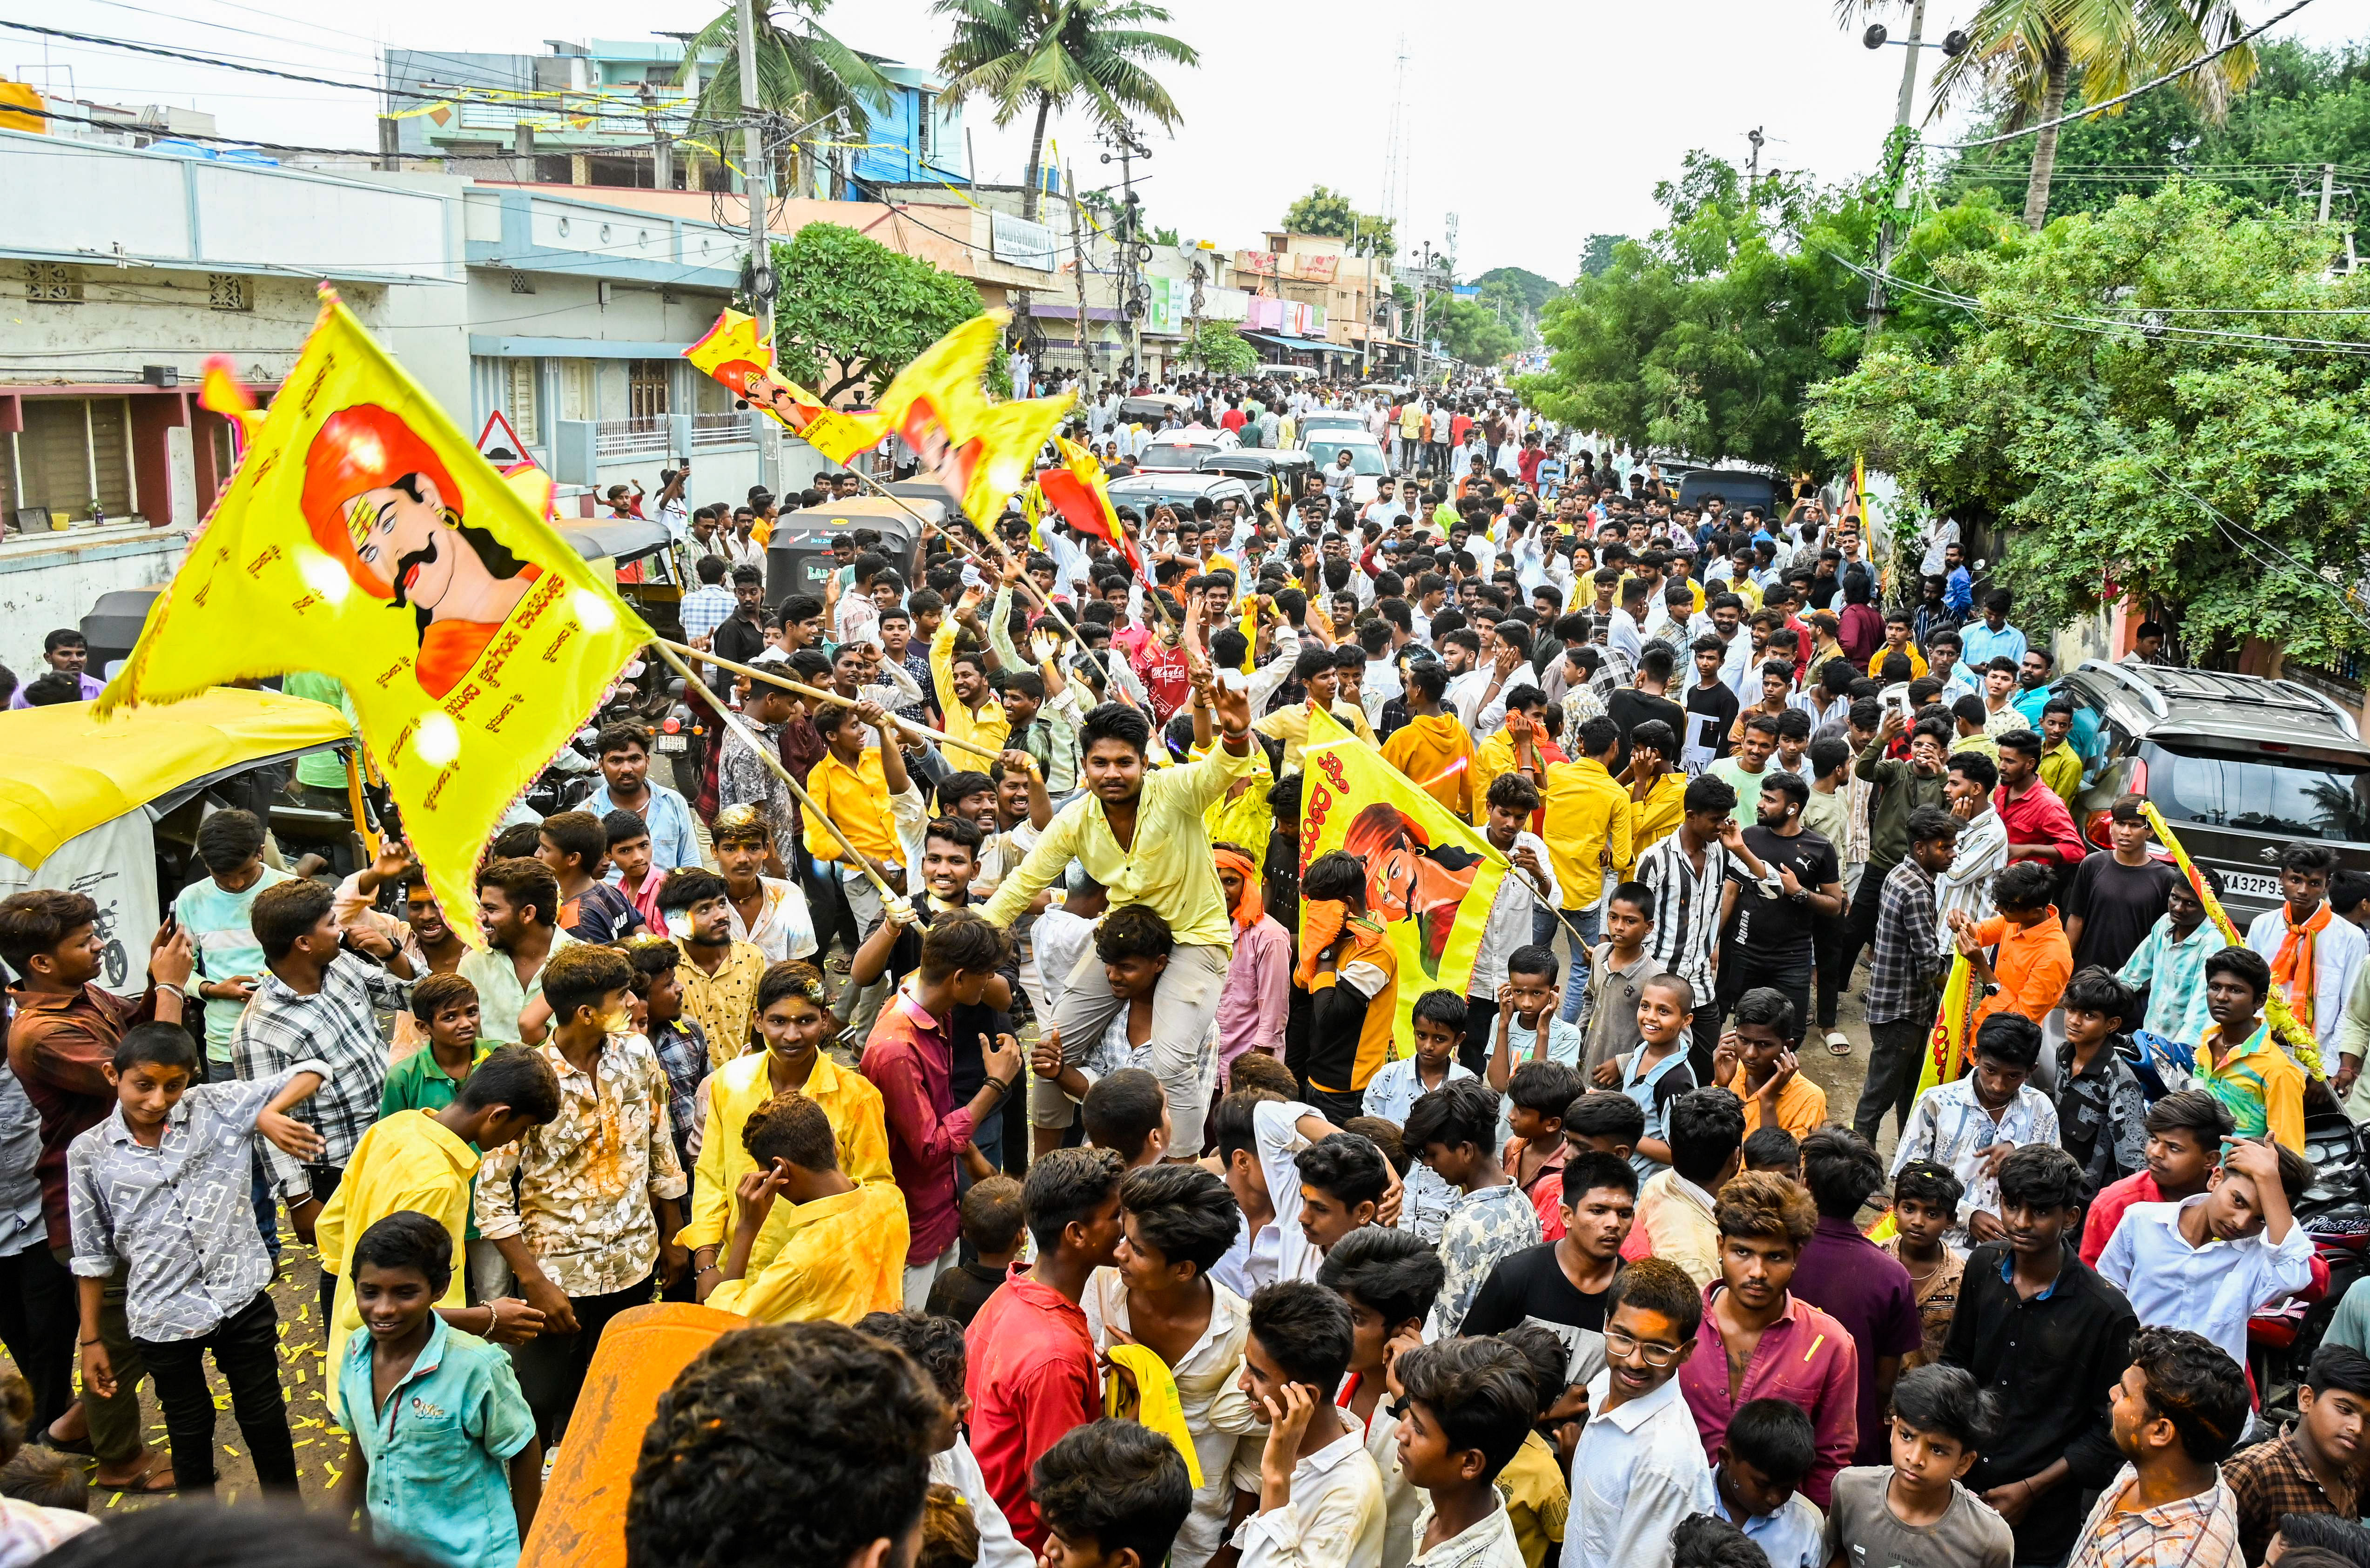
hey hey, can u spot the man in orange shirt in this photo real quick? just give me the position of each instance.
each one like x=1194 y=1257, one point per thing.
x=2028 y=972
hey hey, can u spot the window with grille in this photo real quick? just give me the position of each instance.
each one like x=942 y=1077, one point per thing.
x=72 y=451
x=521 y=283
x=227 y=291
x=646 y=389
x=52 y=283
x=523 y=401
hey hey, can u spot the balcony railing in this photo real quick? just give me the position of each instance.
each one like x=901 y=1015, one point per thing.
x=641 y=432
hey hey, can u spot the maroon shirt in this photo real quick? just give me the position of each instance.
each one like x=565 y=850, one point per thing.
x=57 y=1046
x=907 y=1058
x=1864 y=1287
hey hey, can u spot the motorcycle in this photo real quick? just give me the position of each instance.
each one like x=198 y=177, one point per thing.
x=2335 y=1212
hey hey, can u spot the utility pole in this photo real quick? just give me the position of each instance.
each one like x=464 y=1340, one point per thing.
x=754 y=185
x=1366 y=336
x=1753 y=168
x=1078 y=265
x=2327 y=188
x=1898 y=151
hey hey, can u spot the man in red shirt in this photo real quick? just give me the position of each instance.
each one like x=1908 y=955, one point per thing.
x=1032 y=1373
x=2184 y=1143
x=909 y=1057
x=1533 y=455
x=2039 y=825
x=1232 y=419
x=63 y=1038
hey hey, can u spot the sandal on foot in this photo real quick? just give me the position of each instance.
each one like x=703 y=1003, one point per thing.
x=1838 y=1043
x=139 y=1485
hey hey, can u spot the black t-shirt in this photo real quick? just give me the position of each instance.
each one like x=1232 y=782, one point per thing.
x=1529 y=1287
x=1716 y=708
x=2117 y=903
x=1782 y=923
x=1629 y=707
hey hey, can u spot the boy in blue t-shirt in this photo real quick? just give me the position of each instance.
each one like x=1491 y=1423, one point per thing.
x=441 y=1444
x=1658 y=1072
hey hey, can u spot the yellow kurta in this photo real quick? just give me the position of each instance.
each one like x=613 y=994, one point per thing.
x=1290 y=725
x=1434 y=750
x=408 y=1161
x=1587 y=830
x=737 y=1093
x=984 y=727
x=840 y=1258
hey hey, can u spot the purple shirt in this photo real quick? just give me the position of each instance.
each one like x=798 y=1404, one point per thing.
x=1865 y=1288
x=91 y=686
x=1805 y=1358
x=1257 y=992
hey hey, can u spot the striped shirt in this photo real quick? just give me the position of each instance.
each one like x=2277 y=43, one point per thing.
x=1686 y=908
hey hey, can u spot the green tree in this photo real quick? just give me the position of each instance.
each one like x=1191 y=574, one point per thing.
x=1597 y=256
x=1330 y=215
x=803 y=73
x=2034 y=52
x=852 y=313
x=1040 y=55
x=2305 y=107
x=1218 y=347
x=1702 y=337
x=2119 y=452
x=1472 y=332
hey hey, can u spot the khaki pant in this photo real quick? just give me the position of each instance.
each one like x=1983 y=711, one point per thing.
x=1184 y=1006
x=115 y=1419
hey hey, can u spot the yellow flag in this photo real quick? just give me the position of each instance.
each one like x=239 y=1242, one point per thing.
x=1153 y=1404
x=364 y=536
x=733 y=355
x=981 y=452
x=1948 y=1044
x=2287 y=1028
x=1430 y=877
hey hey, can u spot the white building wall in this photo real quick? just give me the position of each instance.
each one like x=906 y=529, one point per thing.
x=51 y=582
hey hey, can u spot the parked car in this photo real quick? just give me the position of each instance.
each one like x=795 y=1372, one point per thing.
x=1740 y=487
x=1369 y=465
x=1329 y=419
x=1174 y=455
x=1143 y=491
x=2239 y=766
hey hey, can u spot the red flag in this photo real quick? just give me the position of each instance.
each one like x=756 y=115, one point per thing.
x=1077 y=490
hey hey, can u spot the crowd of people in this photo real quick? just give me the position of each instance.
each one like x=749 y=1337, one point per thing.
x=1102 y=1187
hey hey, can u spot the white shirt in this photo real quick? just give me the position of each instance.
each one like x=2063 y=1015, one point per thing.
x=1423 y=1196
x=785 y=926
x=2337 y=953
x=1275 y=1127
x=955 y=1467
x=1489 y=1543
x=1509 y=925
x=1334 y=1517
x=1949 y=1126
x=2212 y=1289
x=1637 y=1471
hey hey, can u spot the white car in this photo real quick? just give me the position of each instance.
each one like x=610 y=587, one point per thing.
x=1369 y=465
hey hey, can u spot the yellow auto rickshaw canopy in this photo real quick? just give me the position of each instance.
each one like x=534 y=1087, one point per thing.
x=64 y=771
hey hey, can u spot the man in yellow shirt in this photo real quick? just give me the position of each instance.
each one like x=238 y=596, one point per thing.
x=842 y=1243
x=1432 y=748
x=973 y=712
x=1589 y=842
x=1657 y=790
x=1315 y=671
x=718 y=975
x=423 y=1160
x=1141 y=834
x=1514 y=748
x=793 y=1023
x=859 y=783
x=1896 y=640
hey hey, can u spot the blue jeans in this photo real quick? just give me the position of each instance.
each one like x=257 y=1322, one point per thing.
x=1590 y=924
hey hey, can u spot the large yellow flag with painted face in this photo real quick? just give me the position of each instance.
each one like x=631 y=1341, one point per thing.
x=1430 y=877
x=363 y=536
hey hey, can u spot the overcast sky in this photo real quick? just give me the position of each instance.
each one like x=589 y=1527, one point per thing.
x=1537 y=123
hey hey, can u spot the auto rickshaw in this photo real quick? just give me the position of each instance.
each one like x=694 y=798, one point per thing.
x=110 y=808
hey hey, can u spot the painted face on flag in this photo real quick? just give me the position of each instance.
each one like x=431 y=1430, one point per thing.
x=1407 y=879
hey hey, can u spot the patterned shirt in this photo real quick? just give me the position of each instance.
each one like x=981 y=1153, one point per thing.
x=724 y=1003
x=1949 y=1127
x=1390 y=1094
x=1687 y=909
x=682 y=1050
x=1900 y=967
x=181 y=1213
x=2200 y=1531
x=2172 y=971
x=1938 y=1301
x=1480 y=1227
x=337 y=1024
x=743 y=779
x=586 y=1178
x=2271 y=1479
x=2100 y=1113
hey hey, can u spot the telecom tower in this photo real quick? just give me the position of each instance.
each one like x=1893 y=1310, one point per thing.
x=1394 y=161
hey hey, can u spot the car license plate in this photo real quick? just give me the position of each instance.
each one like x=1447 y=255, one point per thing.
x=2252 y=884
x=673 y=742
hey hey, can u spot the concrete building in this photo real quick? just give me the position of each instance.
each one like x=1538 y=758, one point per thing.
x=123 y=269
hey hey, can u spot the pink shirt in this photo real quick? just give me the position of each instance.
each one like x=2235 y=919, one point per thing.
x=908 y=1060
x=1257 y=992
x=1805 y=1358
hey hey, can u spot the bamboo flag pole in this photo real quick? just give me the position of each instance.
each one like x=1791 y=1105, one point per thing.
x=759 y=673
x=773 y=760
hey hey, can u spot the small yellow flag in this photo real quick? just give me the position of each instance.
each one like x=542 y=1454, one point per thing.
x=1154 y=1404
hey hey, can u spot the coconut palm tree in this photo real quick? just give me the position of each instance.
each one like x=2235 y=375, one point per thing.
x=2034 y=52
x=802 y=72
x=1045 y=55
